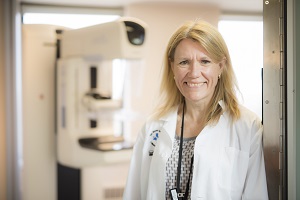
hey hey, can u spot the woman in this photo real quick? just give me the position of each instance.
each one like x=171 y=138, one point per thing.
x=198 y=133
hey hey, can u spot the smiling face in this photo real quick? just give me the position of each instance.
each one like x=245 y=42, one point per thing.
x=195 y=73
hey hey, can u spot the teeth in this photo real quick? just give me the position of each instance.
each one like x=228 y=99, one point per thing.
x=195 y=84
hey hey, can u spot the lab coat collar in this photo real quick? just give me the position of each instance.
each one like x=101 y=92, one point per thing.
x=169 y=123
x=169 y=120
x=171 y=115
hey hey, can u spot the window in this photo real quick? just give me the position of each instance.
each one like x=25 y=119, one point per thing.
x=245 y=43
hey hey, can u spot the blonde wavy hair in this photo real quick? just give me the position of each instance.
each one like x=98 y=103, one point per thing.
x=212 y=41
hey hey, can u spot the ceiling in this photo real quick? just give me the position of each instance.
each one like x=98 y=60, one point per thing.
x=228 y=6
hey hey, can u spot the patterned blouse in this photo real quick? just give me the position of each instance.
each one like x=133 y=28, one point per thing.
x=172 y=163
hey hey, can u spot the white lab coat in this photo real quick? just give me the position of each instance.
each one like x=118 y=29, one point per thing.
x=228 y=160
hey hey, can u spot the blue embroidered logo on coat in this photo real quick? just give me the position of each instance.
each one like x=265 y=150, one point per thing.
x=155 y=135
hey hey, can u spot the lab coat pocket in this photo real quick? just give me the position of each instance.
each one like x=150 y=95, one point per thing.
x=233 y=168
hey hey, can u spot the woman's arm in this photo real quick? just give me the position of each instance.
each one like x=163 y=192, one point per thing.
x=256 y=185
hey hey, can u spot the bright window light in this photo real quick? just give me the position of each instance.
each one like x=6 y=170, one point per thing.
x=245 y=43
x=73 y=21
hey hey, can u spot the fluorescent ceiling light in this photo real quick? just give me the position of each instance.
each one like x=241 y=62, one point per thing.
x=73 y=21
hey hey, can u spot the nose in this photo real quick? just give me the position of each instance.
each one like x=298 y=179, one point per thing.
x=195 y=69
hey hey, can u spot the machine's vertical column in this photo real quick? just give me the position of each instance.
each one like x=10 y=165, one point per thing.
x=274 y=98
x=93 y=86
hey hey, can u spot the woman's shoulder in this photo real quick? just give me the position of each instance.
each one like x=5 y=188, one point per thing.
x=245 y=115
x=156 y=124
x=247 y=126
x=152 y=124
x=153 y=120
x=249 y=119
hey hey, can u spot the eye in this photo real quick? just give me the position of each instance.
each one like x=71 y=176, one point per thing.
x=205 y=61
x=184 y=62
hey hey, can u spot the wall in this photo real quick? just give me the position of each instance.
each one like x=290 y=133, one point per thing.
x=297 y=65
x=39 y=169
x=2 y=107
x=162 y=20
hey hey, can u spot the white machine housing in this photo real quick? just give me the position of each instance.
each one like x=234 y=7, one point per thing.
x=89 y=128
x=123 y=38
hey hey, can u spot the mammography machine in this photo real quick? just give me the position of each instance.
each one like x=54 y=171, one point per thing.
x=91 y=90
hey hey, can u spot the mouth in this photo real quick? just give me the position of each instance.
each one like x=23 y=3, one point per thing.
x=195 y=84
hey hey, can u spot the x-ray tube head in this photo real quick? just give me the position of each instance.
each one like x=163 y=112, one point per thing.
x=121 y=39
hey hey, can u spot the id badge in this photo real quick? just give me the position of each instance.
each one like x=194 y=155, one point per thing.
x=174 y=194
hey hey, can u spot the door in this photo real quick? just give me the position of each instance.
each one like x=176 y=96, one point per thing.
x=274 y=97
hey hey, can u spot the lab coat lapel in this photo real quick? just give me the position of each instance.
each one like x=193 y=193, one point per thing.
x=163 y=152
x=169 y=125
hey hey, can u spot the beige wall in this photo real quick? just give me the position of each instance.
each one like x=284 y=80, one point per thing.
x=39 y=146
x=2 y=107
x=162 y=20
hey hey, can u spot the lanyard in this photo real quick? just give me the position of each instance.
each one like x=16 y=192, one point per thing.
x=184 y=195
x=180 y=150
